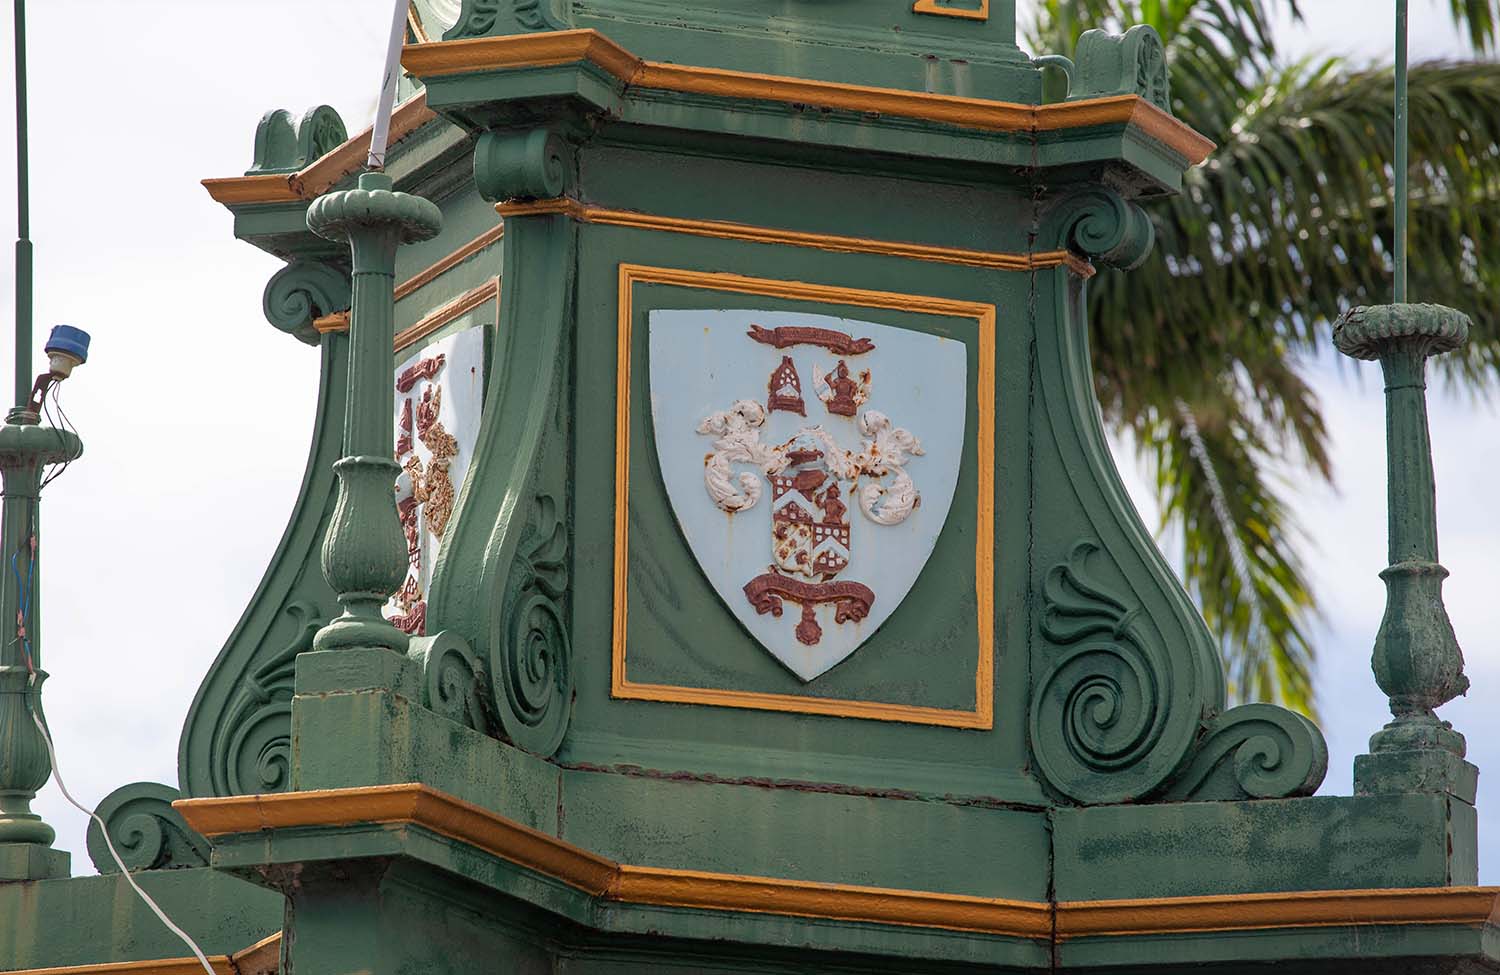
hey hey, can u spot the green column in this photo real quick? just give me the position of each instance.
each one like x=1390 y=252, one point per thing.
x=364 y=551
x=1416 y=659
x=25 y=840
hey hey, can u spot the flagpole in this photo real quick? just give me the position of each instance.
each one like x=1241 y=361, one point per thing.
x=381 y=131
x=23 y=222
x=1402 y=149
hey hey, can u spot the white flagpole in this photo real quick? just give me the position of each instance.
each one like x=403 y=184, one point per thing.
x=381 y=132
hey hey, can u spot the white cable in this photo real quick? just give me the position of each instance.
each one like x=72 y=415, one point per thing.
x=104 y=831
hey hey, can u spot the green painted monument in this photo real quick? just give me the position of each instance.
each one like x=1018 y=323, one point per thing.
x=710 y=559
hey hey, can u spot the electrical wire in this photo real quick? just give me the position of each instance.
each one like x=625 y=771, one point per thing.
x=24 y=593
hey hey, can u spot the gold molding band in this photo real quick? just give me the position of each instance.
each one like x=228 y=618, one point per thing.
x=261 y=958
x=339 y=320
x=982 y=717
x=1260 y=912
x=982 y=12
x=442 y=315
x=222 y=965
x=322 y=174
x=571 y=46
x=419 y=805
x=726 y=230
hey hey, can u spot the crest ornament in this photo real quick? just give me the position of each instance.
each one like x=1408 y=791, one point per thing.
x=831 y=502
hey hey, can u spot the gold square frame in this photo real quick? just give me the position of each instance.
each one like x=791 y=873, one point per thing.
x=982 y=717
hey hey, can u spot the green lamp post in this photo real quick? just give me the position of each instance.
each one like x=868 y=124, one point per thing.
x=1416 y=659
x=27 y=448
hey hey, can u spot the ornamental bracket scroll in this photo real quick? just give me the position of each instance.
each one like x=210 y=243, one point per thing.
x=1103 y=712
x=481 y=18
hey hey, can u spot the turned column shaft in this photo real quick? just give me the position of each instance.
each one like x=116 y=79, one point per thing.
x=1411 y=486
x=369 y=425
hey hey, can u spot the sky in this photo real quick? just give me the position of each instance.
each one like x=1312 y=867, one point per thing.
x=195 y=412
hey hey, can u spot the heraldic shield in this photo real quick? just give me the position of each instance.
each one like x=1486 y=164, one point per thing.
x=810 y=462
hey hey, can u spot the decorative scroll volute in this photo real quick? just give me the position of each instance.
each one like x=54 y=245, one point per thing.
x=1128 y=696
x=145 y=830
x=302 y=292
x=1133 y=63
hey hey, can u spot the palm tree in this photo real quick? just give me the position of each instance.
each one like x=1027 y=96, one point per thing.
x=1289 y=223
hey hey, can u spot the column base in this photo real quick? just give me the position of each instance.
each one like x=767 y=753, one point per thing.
x=1416 y=770
x=33 y=861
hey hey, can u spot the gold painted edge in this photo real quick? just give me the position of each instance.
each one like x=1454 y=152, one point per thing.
x=834 y=243
x=339 y=321
x=564 y=47
x=419 y=805
x=982 y=717
x=660 y=887
x=323 y=173
x=261 y=958
x=222 y=965
x=931 y=7
x=443 y=314
x=1257 y=912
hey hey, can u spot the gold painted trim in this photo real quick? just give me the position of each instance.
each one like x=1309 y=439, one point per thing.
x=537 y=50
x=266 y=188
x=931 y=7
x=261 y=958
x=156 y=966
x=339 y=320
x=984 y=315
x=322 y=174
x=726 y=230
x=442 y=315
x=1260 y=912
x=566 y=47
x=419 y=805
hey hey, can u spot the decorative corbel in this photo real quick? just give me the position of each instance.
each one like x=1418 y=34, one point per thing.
x=1101 y=225
x=534 y=164
x=302 y=292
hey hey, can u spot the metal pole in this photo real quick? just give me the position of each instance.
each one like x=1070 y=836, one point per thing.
x=381 y=130
x=23 y=221
x=1401 y=151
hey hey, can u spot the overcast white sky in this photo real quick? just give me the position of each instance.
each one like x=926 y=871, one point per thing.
x=195 y=412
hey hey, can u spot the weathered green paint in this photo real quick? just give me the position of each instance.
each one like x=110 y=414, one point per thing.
x=93 y=920
x=1113 y=770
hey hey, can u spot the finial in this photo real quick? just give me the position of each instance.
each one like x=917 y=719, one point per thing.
x=1416 y=658
x=364 y=551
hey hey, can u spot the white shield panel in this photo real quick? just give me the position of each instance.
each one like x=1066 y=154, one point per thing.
x=439 y=394
x=810 y=462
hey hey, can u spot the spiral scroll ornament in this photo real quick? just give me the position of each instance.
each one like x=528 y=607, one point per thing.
x=1100 y=711
x=526 y=165
x=252 y=746
x=1101 y=225
x=145 y=830
x=457 y=686
x=532 y=655
x=1255 y=751
x=301 y=292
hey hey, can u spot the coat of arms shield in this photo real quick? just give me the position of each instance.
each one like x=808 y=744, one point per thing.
x=810 y=462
